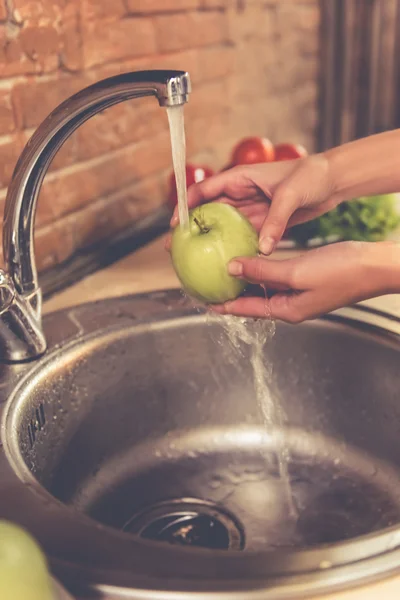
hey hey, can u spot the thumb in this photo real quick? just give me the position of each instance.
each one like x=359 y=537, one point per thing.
x=283 y=204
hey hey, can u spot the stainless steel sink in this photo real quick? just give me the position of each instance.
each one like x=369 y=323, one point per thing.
x=136 y=452
x=133 y=446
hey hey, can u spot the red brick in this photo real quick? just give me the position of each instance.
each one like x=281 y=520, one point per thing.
x=47 y=30
x=41 y=10
x=40 y=44
x=120 y=125
x=208 y=100
x=216 y=62
x=186 y=60
x=105 y=41
x=148 y=6
x=10 y=149
x=137 y=201
x=13 y=61
x=210 y=27
x=7 y=122
x=241 y=24
x=204 y=133
x=71 y=54
x=53 y=244
x=69 y=190
x=188 y=30
x=306 y=17
x=108 y=216
x=35 y=99
x=98 y=9
x=97 y=222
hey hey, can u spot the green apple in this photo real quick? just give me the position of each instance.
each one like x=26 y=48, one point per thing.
x=217 y=233
x=23 y=567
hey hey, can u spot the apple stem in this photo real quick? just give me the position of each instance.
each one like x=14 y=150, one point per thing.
x=201 y=227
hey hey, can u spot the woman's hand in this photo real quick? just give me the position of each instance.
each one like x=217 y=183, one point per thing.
x=272 y=196
x=318 y=281
x=279 y=194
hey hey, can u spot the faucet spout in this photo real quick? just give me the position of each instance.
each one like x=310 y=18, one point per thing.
x=21 y=336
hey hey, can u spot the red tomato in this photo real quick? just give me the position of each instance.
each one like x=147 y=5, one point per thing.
x=289 y=151
x=194 y=174
x=253 y=150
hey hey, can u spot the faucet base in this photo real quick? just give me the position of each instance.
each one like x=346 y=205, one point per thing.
x=21 y=335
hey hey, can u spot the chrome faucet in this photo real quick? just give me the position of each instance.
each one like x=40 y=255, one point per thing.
x=21 y=334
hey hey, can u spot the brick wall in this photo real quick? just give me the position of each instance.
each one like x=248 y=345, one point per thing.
x=254 y=68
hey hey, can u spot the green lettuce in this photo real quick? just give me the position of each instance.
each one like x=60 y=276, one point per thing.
x=369 y=218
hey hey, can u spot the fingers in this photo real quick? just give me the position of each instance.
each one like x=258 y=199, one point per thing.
x=274 y=274
x=228 y=183
x=289 y=303
x=284 y=204
x=254 y=211
x=175 y=215
x=168 y=242
x=288 y=307
x=244 y=307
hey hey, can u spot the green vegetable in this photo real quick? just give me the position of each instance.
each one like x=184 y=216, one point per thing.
x=369 y=218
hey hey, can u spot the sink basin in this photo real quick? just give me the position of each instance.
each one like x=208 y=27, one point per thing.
x=136 y=452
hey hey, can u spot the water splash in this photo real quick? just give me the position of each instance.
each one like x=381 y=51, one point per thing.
x=242 y=334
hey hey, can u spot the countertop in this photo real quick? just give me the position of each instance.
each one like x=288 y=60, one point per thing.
x=149 y=269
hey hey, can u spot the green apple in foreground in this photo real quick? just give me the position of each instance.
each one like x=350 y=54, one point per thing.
x=23 y=567
x=217 y=233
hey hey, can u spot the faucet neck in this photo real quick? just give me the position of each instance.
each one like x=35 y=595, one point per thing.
x=169 y=87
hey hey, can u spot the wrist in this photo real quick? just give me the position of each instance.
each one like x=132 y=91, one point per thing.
x=328 y=162
x=365 y=167
x=336 y=173
x=382 y=266
x=319 y=172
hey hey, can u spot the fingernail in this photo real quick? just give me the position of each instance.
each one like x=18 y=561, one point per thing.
x=174 y=218
x=235 y=268
x=267 y=245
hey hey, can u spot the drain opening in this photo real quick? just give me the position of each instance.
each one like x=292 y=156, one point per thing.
x=188 y=522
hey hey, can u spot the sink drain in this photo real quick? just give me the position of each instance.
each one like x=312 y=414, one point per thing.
x=188 y=522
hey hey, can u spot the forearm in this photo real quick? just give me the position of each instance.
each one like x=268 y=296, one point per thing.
x=366 y=167
x=382 y=267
